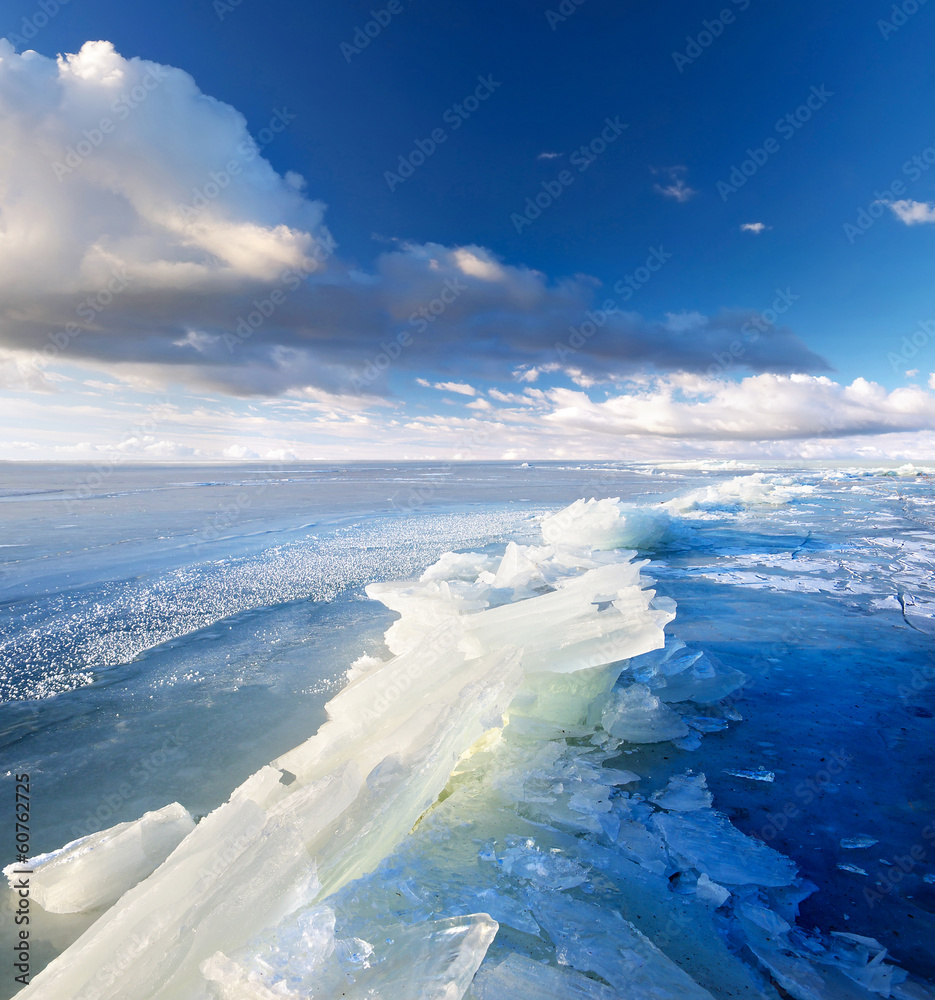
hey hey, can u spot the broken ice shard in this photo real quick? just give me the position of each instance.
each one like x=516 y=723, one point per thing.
x=95 y=871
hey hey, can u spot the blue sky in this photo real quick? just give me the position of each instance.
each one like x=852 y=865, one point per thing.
x=692 y=114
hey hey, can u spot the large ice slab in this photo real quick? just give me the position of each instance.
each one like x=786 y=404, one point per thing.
x=706 y=841
x=429 y=960
x=520 y=978
x=684 y=793
x=334 y=806
x=601 y=941
x=95 y=871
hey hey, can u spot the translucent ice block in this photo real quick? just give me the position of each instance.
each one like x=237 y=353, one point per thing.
x=95 y=871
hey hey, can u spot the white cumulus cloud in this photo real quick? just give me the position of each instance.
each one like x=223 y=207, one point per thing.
x=913 y=212
x=144 y=234
x=758 y=408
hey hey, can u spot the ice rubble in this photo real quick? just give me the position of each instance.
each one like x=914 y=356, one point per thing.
x=753 y=490
x=328 y=811
x=95 y=871
x=465 y=800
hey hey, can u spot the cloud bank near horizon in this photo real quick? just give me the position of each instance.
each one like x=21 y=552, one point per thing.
x=653 y=419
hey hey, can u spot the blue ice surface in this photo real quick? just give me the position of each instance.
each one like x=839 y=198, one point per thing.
x=168 y=630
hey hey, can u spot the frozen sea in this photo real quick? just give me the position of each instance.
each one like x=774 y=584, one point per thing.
x=168 y=630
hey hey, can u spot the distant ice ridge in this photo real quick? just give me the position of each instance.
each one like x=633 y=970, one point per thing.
x=757 y=489
x=907 y=471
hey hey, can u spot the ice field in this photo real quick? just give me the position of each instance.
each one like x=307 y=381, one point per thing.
x=442 y=732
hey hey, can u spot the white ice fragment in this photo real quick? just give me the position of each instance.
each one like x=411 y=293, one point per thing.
x=667 y=604
x=857 y=843
x=710 y=891
x=861 y=940
x=635 y=714
x=853 y=869
x=317 y=929
x=752 y=774
x=616 y=777
x=685 y=793
x=765 y=919
x=465 y=566
x=95 y=871
x=708 y=842
x=587 y=524
x=233 y=982
x=807 y=972
x=590 y=799
x=706 y=723
x=643 y=846
x=673 y=658
x=424 y=607
x=520 y=978
x=598 y=617
x=912 y=989
x=799 y=978
x=363 y=665
x=516 y=569
x=861 y=960
x=607 y=524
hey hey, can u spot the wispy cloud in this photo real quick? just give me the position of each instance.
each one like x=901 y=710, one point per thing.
x=461 y=388
x=913 y=212
x=19 y=373
x=677 y=188
x=754 y=227
x=549 y=156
